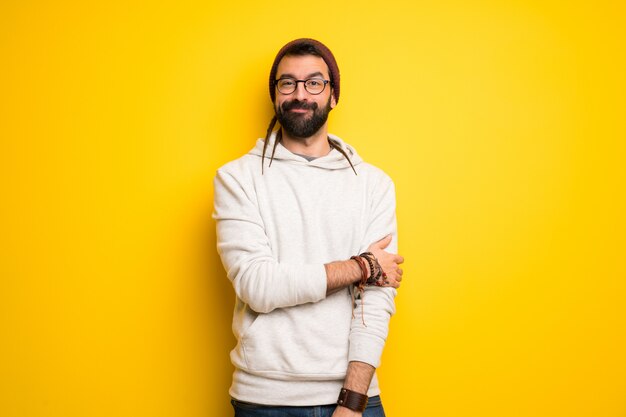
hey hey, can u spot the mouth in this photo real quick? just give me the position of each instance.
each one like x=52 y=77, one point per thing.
x=299 y=110
x=296 y=107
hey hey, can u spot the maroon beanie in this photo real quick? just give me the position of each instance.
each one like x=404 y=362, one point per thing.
x=306 y=46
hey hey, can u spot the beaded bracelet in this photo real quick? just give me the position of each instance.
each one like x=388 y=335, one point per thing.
x=377 y=275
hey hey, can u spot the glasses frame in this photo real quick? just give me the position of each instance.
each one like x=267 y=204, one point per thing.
x=303 y=82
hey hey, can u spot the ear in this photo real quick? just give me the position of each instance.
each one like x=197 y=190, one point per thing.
x=333 y=102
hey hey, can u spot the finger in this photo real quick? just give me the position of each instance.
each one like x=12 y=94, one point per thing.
x=399 y=259
x=395 y=283
x=384 y=242
x=399 y=271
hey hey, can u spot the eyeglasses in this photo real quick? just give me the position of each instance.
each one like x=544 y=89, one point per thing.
x=312 y=85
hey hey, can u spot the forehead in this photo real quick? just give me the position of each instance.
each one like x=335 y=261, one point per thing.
x=301 y=66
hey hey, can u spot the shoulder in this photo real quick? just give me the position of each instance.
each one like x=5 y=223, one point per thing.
x=364 y=169
x=241 y=164
x=375 y=175
x=237 y=176
x=241 y=169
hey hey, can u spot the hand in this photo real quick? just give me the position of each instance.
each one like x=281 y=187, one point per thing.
x=345 y=412
x=389 y=262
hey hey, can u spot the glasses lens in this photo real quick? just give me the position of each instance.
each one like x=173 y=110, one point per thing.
x=286 y=85
x=314 y=85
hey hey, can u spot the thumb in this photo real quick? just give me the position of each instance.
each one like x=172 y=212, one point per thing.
x=384 y=242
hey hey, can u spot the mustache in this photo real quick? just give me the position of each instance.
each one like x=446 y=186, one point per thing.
x=297 y=104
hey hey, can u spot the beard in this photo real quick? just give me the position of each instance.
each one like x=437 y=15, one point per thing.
x=301 y=125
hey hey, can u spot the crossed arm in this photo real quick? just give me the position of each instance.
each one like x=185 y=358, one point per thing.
x=344 y=273
x=341 y=274
x=265 y=284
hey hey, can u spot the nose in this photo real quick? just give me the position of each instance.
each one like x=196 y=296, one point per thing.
x=300 y=93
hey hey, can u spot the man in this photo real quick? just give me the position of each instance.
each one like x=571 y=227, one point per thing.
x=311 y=316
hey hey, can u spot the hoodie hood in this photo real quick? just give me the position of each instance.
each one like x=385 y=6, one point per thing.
x=333 y=160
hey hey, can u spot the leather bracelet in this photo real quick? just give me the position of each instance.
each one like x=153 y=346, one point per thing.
x=376 y=270
x=353 y=400
x=359 y=260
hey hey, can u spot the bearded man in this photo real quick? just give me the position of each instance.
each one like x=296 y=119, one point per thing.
x=307 y=234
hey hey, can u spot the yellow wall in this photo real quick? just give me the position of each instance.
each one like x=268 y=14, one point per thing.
x=502 y=123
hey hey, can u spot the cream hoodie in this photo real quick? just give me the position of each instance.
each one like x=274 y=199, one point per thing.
x=275 y=232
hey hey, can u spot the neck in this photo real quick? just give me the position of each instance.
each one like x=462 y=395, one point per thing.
x=316 y=145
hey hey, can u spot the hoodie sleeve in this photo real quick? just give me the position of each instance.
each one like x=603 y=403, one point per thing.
x=376 y=305
x=258 y=278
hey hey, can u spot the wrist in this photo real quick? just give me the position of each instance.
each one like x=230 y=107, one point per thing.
x=352 y=400
x=363 y=269
x=371 y=271
x=345 y=412
x=377 y=276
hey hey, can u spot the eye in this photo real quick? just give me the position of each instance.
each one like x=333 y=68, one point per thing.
x=314 y=83
x=286 y=82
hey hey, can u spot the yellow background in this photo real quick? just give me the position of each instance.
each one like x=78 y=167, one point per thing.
x=502 y=123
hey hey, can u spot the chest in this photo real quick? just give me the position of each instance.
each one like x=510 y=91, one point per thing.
x=320 y=211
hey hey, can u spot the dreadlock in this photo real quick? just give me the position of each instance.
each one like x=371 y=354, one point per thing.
x=267 y=139
x=341 y=151
x=279 y=136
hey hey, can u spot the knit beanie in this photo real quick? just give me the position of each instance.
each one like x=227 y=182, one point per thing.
x=319 y=47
